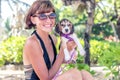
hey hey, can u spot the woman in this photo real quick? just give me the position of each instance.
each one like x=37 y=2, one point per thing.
x=39 y=55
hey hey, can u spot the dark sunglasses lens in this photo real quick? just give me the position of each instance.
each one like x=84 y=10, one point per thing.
x=52 y=16
x=42 y=16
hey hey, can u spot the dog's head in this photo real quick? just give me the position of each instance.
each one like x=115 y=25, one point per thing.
x=64 y=27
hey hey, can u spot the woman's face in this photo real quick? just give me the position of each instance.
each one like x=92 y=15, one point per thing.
x=44 y=21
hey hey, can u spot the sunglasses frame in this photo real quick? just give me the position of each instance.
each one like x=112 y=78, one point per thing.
x=43 y=16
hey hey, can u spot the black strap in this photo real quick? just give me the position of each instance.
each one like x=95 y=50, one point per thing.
x=54 y=48
x=45 y=55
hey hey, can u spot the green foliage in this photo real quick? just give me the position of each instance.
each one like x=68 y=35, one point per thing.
x=58 y=44
x=104 y=30
x=99 y=55
x=111 y=59
x=67 y=12
x=80 y=65
x=106 y=54
x=97 y=49
x=111 y=55
x=11 y=50
x=1 y=59
x=79 y=30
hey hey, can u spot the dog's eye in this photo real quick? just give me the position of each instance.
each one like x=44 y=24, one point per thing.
x=69 y=24
x=62 y=24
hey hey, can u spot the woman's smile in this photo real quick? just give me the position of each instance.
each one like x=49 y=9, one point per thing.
x=48 y=25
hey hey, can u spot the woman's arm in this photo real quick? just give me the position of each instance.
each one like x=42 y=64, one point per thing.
x=34 y=52
x=57 y=64
x=60 y=57
x=59 y=60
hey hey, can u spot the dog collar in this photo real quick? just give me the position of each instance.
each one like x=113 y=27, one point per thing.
x=67 y=36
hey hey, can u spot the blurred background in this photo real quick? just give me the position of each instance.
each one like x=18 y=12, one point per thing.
x=97 y=24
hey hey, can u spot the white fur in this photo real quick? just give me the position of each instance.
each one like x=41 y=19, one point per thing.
x=66 y=52
x=80 y=48
x=67 y=55
x=76 y=40
x=66 y=27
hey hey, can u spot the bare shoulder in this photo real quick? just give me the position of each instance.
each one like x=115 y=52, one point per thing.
x=30 y=42
x=31 y=45
x=28 y=49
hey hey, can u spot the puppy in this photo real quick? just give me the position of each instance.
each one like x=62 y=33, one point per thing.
x=65 y=29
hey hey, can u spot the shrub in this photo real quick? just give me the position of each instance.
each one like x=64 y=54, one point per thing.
x=111 y=59
x=97 y=49
x=11 y=50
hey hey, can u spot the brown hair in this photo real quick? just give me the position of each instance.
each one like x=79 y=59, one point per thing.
x=39 y=6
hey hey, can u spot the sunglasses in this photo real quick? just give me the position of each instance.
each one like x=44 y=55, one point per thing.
x=44 y=17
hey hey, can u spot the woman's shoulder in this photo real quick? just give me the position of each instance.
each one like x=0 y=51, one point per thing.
x=31 y=41
x=32 y=45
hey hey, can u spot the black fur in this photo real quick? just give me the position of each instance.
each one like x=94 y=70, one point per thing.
x=57 y=27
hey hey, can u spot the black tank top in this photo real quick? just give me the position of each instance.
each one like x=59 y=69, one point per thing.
x=33 y=75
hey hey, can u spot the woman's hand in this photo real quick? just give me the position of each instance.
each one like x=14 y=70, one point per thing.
x=71 y=45
x=68 y=44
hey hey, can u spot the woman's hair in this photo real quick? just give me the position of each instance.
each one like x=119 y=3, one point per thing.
x=39 y=6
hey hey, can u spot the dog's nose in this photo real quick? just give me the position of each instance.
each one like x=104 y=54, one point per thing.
x=66 y=30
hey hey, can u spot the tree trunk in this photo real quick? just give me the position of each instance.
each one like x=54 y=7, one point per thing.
x=89 y=24
x=118 y=28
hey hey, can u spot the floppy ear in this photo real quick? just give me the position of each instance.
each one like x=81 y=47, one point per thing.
x=72 y=31
x=72 y=28
x=57 y=30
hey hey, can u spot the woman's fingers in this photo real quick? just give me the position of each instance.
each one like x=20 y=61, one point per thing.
x=71 y=45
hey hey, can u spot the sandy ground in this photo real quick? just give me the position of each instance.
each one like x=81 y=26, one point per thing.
x=11 y=74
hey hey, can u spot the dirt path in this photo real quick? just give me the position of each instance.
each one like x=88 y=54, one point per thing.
x=100 y=73
x=11 y=74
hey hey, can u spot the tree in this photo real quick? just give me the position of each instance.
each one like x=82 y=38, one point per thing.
x=110 y=17
x=118 y=27
x=90 y=10
x=10 y=4
x=18 y=16
x=89 y=5
x=99 y=14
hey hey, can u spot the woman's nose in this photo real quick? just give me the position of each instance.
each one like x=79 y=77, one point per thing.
x=48 y=19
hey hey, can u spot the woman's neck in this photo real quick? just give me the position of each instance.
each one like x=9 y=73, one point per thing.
x=44 y=35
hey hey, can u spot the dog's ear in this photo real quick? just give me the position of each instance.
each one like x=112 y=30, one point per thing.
x=72 y=29
x=57 y=28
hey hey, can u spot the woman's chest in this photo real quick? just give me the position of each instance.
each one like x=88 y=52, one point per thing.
x=50 y=52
